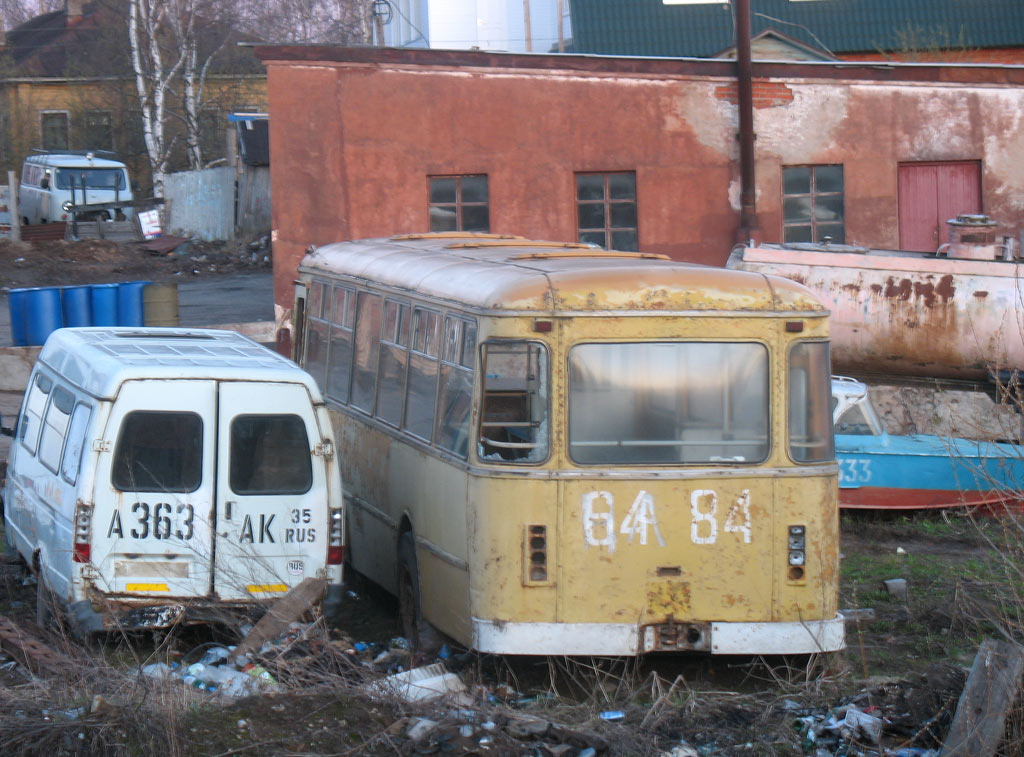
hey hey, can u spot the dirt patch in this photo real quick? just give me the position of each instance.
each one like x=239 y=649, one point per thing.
x=93 y=261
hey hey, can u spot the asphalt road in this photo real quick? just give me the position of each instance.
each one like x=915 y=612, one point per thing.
x=238 y=298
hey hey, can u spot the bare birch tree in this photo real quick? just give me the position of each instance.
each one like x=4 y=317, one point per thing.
x=154 y=67
x=346 y=22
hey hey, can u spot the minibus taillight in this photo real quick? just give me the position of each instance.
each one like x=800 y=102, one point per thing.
x=335 y=547
x=83 y=517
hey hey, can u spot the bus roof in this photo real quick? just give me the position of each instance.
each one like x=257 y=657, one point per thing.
x=491 y=272
x=98 y=360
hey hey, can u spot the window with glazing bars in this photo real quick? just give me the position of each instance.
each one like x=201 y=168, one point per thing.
x=606 y=209
x=812 y=204
x=459 y=203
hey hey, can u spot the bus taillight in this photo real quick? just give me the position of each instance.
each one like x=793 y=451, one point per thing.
x=536 y=553
x=797 y=552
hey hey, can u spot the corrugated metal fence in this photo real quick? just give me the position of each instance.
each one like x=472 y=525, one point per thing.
x=253 y=201
x=203 y=203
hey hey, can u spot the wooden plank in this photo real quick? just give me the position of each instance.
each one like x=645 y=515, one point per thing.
x=286 y=609
x=990 y=691
x=29 y=651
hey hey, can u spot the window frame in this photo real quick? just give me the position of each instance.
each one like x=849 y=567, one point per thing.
x=459 y=203
x=477 y=428
x=769 y=411
x=828 y=425
x=43 y=114
x=607 y=203
x=813 y=195
x=116 y=482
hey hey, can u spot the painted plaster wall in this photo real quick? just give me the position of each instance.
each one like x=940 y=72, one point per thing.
x=372 y=137
x=353 y=145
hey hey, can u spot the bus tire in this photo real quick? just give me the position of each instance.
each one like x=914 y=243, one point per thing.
x=409 y=615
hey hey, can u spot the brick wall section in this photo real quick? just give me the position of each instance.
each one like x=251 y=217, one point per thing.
x=766 y=94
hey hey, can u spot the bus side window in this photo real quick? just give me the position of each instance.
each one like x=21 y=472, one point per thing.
x=342 y=318
x=422 y=392
x=456 y=386
x=513 y=418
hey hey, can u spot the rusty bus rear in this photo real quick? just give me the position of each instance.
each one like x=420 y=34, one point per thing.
x=555 y=449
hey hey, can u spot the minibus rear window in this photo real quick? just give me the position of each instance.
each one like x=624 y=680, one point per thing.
x=270 y=455
x=159 y=452
x=668 y=402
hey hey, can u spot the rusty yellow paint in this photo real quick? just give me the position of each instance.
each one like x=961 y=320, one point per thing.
x=520 y=275
x=471 y=519
x=667 y=599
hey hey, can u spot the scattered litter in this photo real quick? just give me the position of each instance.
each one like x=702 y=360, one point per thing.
x=613 y=715
x=419 y=727
x=863 y=726
x=419 y=684
x=897 y=587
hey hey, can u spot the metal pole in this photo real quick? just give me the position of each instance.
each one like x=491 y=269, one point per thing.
x=748 y=227
x=12 y=203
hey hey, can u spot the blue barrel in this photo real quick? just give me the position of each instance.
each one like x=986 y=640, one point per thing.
x=42 y=313
x=130 y=308
x=16 y=305
x=103 y=299
x=76 y=302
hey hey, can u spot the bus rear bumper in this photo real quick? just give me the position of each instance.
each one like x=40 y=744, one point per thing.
x=615 y=639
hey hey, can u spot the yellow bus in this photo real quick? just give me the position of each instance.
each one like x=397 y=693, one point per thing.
x=551 y=448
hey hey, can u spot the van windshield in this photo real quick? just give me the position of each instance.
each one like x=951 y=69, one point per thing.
x=91 y=178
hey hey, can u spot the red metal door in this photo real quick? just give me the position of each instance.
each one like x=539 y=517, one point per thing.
x=932 y=193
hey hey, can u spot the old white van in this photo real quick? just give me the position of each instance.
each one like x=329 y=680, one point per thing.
x=50 y=181
x=159 y=476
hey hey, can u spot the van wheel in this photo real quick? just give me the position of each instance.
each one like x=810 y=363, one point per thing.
x=46 y=609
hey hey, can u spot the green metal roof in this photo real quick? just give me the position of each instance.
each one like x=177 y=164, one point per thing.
x=650 y=28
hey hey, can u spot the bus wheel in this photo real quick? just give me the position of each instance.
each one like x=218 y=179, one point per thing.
x=408 y=590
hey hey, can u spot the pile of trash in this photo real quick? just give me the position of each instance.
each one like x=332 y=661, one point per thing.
x=218 y=670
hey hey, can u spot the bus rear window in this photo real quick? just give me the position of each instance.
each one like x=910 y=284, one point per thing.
x=668 y=402
x=810 y=403
x=513 y=419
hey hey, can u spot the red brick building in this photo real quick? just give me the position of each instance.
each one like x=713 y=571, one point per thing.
x=371 y=142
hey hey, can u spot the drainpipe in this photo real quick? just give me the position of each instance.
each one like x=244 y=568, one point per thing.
x=748 y=228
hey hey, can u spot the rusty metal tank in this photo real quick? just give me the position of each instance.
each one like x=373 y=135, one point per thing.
x=958 y=315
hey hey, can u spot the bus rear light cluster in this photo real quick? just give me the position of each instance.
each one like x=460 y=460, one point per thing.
x=83 y=520
x=335 y=544
x=797 y=552
x=537 y=553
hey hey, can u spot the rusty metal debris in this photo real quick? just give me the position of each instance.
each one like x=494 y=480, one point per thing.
x=28 y=650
